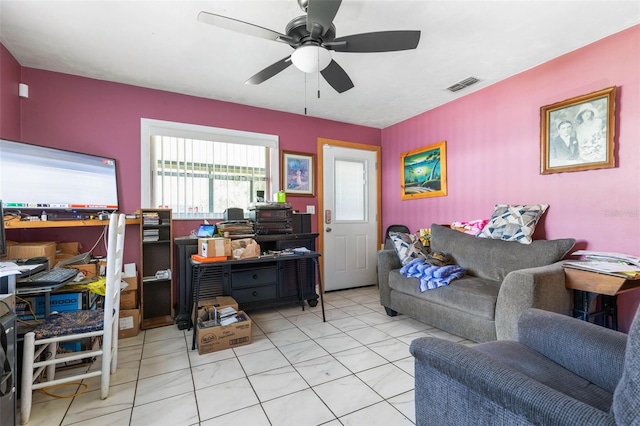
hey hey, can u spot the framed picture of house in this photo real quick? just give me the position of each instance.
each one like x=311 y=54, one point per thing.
x=298 y=173
x=577 y=134
x=423 y=172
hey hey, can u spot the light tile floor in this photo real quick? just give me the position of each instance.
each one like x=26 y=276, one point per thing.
x=355 y=369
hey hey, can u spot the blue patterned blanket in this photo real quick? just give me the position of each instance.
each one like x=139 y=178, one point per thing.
x=431 y=276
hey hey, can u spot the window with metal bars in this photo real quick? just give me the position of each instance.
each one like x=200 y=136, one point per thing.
x=201 y=175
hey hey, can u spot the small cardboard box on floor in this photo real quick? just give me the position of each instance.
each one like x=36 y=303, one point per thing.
x=221 y=337
x=129 y=323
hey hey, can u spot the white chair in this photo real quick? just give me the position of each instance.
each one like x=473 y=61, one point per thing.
x=40 y=345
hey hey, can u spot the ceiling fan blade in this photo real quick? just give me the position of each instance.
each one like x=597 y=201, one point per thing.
x=337 y=77
x=270 y=71
x=240 y=26
x=321 y=13
x=383 y=41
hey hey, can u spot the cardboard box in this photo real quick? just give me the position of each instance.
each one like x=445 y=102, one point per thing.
x=130 y=276
x=72 y=248
x=214 y=247
x=36 y=249
x=89 y=269
x=132 y=283
x=223 y=337
x=7 y=303
x=129 y=323
x=129 y=300
x=219 y=303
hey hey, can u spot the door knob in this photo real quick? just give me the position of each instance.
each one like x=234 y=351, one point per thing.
x=328 y=229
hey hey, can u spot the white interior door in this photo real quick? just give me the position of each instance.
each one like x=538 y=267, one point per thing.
x=350 y=223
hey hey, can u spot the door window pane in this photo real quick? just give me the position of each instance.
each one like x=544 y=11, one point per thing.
x=350 y=189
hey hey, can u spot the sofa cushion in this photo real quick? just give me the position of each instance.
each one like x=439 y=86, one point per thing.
x=472 y=295
x=407 y=246
x=513 y=223
x=494 y=259
x=543 y=370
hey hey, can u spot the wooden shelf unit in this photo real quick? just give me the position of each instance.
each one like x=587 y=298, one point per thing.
x=156 y=294
x=23 y=224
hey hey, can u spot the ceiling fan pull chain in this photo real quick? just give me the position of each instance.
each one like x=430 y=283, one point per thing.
x=318 y=74
x=305 y=93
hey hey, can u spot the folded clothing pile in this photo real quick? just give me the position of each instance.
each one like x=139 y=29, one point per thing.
x=432 y=274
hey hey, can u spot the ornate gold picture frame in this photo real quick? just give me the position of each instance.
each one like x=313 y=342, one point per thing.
x=577 y=134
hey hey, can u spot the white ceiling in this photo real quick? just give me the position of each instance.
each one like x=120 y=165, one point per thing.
x=161 y=45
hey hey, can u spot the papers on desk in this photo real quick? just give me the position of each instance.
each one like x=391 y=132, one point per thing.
x=609 y=257
x=10 y=268
x=618 y=264
x=605 y=267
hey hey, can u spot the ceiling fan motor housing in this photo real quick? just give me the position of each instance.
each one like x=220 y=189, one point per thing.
x=297 y=30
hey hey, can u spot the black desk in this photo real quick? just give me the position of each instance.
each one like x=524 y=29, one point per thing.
x=261 y=281
x=186 y=246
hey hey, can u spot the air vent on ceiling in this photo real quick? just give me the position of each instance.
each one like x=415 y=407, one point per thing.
x=462 y=84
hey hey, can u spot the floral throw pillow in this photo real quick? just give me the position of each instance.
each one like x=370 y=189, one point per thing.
x=408 y=247
x=513 y=222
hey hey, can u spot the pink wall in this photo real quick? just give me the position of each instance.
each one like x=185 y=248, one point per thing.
x=9 y=100
x=493 y=153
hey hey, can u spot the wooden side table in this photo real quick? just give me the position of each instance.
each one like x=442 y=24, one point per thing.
x=588 y=285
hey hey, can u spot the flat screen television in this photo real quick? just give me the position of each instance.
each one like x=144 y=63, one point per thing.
x=35 y=178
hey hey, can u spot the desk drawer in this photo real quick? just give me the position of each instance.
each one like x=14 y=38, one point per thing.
x=253 y=277
x=255 y=294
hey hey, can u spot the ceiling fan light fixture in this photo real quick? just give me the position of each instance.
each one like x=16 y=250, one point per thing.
x=311 y=58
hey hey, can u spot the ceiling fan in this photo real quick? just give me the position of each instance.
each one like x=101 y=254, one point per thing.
x=313 y=36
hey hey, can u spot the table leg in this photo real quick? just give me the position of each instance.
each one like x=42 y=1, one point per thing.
x=320 y=289
x=581 y=305
x=196 y=284
x=300 y=290
x=610 y=308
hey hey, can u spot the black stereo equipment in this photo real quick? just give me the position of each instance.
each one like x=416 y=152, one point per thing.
x=265 y=228
x=269 y=215
x=271 y=218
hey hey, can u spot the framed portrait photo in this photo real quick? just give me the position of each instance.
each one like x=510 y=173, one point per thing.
x=298 y=173
x=577 y=134
x=423 y=172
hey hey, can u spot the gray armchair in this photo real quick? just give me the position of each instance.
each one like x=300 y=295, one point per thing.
x=560 y=371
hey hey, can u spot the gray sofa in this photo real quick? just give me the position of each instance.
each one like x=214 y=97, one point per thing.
x=560 y=371
x=503 y=280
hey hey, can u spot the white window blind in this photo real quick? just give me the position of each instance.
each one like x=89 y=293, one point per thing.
x=200 y=174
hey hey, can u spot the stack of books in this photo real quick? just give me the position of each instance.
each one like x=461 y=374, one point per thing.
x=150 y=235
x=150 y=218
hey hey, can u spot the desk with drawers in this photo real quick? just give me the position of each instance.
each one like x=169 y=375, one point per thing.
x=186 y=246
x=259 y=282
